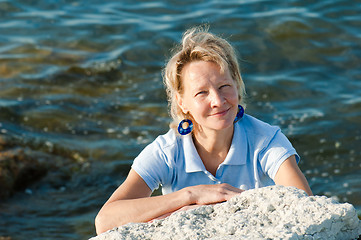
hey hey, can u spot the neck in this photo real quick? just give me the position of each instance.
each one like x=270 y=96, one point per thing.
x=216 y=143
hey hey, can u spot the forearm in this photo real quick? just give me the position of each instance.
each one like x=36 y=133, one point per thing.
x=120 y=212
x=124 y=207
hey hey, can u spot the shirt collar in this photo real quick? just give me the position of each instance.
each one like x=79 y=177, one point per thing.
x=192 y=160
x=237 y=154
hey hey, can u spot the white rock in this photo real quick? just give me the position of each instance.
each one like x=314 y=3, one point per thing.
x=274 y=212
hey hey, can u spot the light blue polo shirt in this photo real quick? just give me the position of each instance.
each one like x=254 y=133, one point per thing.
x=256 y=153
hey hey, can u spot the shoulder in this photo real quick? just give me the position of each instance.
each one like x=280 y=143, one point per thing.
x=167 y=141
x=257 y=131
x=164 y=147
x=155 y=162
x=255 y=126
x=160 y=154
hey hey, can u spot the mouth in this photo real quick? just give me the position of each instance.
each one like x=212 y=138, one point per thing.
x=221 y=113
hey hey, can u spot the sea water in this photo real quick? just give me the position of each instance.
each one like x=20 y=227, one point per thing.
x=80 y=83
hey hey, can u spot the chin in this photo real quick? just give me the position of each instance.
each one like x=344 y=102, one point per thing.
x=223 y=126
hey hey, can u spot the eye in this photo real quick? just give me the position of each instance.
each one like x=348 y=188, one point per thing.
x=225 y=85
x=201 y=93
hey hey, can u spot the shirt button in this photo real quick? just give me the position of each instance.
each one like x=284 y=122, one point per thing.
x=210 y=176
x=243 y=187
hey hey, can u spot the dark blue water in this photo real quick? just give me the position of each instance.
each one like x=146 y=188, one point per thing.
x=80 y=85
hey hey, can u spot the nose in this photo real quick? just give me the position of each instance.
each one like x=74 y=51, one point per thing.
x=217 y=99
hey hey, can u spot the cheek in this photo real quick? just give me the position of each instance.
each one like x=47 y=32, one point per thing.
x=236 y=95
x=197 y=108
x=232 y=96
x=236 y=99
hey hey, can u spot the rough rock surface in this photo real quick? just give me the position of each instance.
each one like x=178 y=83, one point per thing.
x=18 y=169
x=36 y=166
x=274 y=212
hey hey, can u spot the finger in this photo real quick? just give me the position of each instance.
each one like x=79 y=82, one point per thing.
x=233 y=189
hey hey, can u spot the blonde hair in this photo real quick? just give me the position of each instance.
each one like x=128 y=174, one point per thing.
x=199 y=45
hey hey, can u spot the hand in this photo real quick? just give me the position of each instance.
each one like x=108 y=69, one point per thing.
x=210 y=194
x=205 y=195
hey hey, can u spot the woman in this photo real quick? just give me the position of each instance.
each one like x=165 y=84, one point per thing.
x=215 y=153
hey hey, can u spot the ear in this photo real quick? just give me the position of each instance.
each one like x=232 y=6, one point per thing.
x=180 y=103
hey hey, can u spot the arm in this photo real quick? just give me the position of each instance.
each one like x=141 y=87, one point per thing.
x=289 y=174
x=132 y=202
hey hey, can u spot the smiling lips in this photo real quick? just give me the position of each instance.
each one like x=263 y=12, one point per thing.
x=221 y=113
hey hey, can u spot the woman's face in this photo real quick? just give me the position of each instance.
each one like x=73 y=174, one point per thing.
x=209 y=96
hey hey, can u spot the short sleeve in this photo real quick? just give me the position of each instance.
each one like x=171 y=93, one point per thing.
x=152 y=165
x=275 y=153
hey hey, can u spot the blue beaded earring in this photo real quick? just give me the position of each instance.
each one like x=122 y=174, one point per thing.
x=187 y=130
x=240 y=113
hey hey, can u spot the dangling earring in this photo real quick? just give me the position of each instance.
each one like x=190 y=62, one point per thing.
x=187 y=130
x=240 y=113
